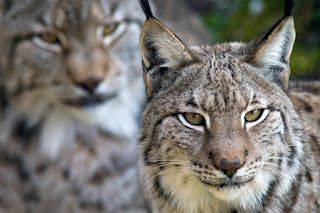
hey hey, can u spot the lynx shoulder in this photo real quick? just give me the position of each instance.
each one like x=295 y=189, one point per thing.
x=221 y=131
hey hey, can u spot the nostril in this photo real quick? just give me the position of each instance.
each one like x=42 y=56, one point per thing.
x=224 y=171
x=229 y=168
x=90 y=84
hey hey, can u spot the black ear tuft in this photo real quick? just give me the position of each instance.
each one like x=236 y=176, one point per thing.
x=146 y=8
x=288 y=6
x=3 y=98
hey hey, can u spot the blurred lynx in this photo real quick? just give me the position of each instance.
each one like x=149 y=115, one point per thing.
x=221 y=132
x=71 y=92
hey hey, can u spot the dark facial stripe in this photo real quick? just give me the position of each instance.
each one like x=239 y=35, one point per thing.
x=209 y=77
x=315 y=145
x=147 y=150
x=266 y=199
x=292 y=155
x=24 y=132
x=3 y=97
x=284 y=120
x=308 y=175
x=293 y=194
x=142 y=138
x=146 y=155
x=161 y=192
x=280 y=160
x=17 y=161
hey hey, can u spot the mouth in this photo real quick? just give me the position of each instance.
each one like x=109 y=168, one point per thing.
x=226 y=184
x=90 y=101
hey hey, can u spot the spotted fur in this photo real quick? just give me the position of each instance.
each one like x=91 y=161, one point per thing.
x=69 y=109
x=181 y=165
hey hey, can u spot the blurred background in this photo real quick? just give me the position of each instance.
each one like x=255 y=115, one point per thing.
x=244 y=20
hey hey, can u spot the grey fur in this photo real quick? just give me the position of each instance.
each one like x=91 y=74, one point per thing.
x=61 y=152
x=182 y=165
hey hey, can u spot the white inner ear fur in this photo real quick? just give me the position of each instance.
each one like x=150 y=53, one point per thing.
x=167 y=45
x=279 y=44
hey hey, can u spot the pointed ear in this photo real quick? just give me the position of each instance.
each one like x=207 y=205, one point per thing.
x=162 y=51
x=272 y=52
x=159 y=46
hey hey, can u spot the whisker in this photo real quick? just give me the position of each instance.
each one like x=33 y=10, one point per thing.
x=162 y=173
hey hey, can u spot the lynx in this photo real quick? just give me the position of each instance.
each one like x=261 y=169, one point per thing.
x=221 y=132
x=71 y=94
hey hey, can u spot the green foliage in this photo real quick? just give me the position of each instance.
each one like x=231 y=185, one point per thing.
x=238 y=22
x=305 y=62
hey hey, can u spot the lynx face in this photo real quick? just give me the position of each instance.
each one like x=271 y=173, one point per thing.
x=70 y=95
x=78 y=55
x=219 y=134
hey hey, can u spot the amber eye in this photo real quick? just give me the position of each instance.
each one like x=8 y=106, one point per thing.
x=109 y=29
x=253 y=115
x=49 y=38
x=194 y=118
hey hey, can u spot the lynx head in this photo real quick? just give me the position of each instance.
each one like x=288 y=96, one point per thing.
x=217 y=129
x=75 y=56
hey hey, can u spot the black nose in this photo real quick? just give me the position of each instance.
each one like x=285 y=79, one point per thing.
x=229 y=167
x=90 y=84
